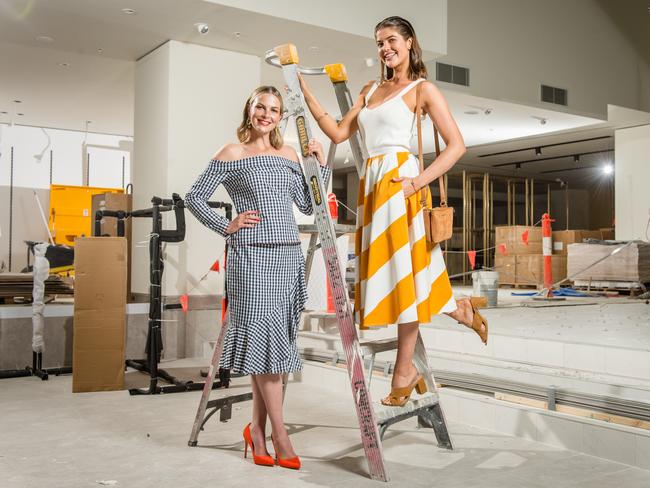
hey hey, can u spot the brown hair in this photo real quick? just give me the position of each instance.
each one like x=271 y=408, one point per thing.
x=244 y=129
x=417 y=69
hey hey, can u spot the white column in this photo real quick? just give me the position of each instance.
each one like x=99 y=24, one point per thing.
x=632 y=147
x=188 y=103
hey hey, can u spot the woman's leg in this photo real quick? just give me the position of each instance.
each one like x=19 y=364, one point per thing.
x=258 y=422
x=270 y=386
x=405 y=372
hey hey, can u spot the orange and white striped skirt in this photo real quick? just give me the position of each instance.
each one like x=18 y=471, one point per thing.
x=400 y=278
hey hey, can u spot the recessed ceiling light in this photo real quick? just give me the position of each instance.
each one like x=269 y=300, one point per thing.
x=3 y=112
x=129 y=11
x=20 y=115
x=45 y=39
x=237 y=34
x=18 y=101
x=608 y=169
x=471 y=112
x=63 y=65
x=100 y=50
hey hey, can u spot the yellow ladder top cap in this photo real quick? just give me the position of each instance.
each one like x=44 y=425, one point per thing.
x=336 y=72
x=287 y=53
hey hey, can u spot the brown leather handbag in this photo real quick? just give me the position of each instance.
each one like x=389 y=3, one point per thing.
x=438 y=221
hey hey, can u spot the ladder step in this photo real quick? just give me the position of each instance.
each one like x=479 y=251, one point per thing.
x=411 y=409
x=373 y=347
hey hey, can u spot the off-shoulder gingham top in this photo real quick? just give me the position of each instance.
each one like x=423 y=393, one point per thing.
x=269 y=184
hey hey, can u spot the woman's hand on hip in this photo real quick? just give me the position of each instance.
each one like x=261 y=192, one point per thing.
x=247 y=219
x=408 y=185
x=316 y=149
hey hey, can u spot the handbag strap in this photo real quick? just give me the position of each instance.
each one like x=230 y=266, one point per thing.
x=418 y=116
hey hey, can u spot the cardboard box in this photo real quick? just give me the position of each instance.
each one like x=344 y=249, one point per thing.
x=506 y=266
x=511 y=236
x=115 y=201
x=562 y=238
x=530 y=269
x=607 y=234
x=99 y=314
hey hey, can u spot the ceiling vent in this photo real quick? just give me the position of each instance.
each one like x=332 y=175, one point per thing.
x=555 y=95
x=452 y=74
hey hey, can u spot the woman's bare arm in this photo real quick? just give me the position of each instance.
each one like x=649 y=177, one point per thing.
x=336 y=131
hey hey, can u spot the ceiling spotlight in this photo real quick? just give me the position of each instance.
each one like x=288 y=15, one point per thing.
x=487 y=111
x=237 y=34
x=576 y=158
x=518 y=166
x=100 y=50
x=129 y=11
x=18 y=101
x=542 y=121
x=471 y=112
x=19 y=114
x=3 y=112
x=63 y=65
x=538 y=151
x=608 y=169
x=202 y=28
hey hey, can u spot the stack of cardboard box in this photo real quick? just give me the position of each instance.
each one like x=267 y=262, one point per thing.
x=523 y=264
x=520 y=261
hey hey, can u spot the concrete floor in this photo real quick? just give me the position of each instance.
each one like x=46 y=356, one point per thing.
x=52 y=438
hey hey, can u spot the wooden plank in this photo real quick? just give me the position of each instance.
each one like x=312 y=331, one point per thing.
x=578 y=412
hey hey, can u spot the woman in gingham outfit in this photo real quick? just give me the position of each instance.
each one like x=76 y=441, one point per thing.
x=265 y=270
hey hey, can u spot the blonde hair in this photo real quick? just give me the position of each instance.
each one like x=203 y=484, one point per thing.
x=244 y=129
x=417 y=69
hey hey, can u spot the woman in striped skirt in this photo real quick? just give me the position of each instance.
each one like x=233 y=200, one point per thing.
x=401 y=278
x=265 y=269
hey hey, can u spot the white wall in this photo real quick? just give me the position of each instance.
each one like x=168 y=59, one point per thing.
x=189 y=101
x=632 y=171
x=512 y=46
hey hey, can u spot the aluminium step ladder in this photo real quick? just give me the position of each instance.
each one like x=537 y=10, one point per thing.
x=372 y=423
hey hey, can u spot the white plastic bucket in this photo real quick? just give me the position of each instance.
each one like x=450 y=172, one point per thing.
x=486 y=284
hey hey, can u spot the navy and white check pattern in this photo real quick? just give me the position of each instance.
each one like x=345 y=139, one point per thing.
x=265 y=284
x=266 y=295
x=269 y=184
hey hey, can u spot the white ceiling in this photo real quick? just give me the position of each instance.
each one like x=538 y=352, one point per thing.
x=99 y=87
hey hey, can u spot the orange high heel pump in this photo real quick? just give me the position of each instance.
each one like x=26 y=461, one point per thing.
x=290 y=463
x=248 y=441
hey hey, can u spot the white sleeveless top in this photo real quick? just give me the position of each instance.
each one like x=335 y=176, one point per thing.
x=388 y=127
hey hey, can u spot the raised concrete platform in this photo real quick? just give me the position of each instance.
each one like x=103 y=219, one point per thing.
x=594 y=345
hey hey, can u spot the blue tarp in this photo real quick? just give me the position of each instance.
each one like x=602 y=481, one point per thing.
x=560 y=292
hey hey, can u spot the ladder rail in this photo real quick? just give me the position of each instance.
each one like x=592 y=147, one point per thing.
x=369 y=430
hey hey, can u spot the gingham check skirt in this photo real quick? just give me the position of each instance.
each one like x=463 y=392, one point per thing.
x=266 y=292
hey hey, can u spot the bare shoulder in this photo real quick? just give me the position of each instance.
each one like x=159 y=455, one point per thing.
x=229 y=152
x=287 y=151
x=431 y=91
